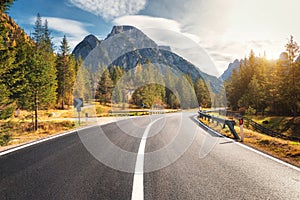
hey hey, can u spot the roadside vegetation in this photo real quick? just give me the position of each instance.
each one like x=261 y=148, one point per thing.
x=19 y=129
x=39 y=81
x=289 y=126
x=286 y=150
x=267 y=92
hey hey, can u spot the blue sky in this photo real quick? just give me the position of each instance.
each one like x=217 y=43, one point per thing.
x=57 y=12
x=209 y=33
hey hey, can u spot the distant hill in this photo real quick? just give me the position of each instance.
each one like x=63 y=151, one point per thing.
x=227 y=73
x=126 y=46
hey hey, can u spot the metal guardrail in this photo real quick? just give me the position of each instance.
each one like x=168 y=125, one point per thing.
x=259 y=128
x=229 y=123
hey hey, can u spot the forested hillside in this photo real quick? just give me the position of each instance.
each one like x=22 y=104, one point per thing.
x=32 y=75
x=263 y=86
x=146 y=86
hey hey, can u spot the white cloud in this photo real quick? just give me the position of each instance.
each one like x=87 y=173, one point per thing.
x=67 y=26
x=233 y=27
x=109 y=9
x=74 y=30
x=146 y=22
x=169 y=32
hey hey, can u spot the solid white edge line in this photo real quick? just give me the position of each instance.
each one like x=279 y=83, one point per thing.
x=252 y=149
x=22 y=146
x=138 y=178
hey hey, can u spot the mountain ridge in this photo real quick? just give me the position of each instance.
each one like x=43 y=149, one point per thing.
x=126 y=45
x=228 y=72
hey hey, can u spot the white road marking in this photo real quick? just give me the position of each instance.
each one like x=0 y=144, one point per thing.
x=42 y=140
x=22 y=146
x=138 y=179
x=253 y=150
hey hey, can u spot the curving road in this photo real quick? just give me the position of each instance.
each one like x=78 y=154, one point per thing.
x=179 y=160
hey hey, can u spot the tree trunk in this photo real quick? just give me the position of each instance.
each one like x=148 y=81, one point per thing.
x=36 y=111
x=63 y=102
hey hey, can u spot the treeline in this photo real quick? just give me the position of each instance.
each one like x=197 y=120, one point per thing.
x=32 y=75
x=148 y=85
x=264 y=86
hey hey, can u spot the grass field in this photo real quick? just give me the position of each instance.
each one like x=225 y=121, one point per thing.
x=19 y=129
x=289 y=126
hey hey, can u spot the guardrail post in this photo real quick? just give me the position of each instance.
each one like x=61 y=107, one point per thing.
x=230 y=124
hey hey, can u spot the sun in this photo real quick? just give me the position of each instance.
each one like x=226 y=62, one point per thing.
x=272 y=56
x=271 y=53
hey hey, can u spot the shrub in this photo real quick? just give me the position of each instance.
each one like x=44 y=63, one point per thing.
x=250 y=111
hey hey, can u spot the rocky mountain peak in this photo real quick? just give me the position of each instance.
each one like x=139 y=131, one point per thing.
x=127 y=45
x=120 y=29
x=227 y=74
x=92 y=40
x=89 y=43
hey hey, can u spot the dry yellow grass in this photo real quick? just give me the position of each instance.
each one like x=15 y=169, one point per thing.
x=286 y=150
x=22 y=132
x=20 y=128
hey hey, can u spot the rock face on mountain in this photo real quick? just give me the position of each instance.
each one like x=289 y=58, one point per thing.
x=126 y=46
x=120 y=29
x=158 y=57
x=86 y=46
x=227 y=74
x=165 y=48
x=121 y=40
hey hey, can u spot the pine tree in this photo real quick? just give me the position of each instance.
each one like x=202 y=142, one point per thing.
x=65 y=66
x=202 y=93
x=79 y=85
x=292 y=49
x=255 y=94
x=5 y=5
x=40 y=73
x=233 y=89
x=7 y=64
x=38 y=31
x=170 y=84
x=105 y=88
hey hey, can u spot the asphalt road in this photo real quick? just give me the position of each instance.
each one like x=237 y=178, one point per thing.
x=100 y=163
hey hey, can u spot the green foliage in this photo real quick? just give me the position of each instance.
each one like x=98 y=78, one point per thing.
x=7 y=106
x=250 y=111
x=105 y=88
x=7 y=68
x=146 y=85
x=5 y=5
x=4 y=138
x=5 y=135
x=149 y=95
x=267 y=85
x=83 y=84
x=27 y=67
x=65 y=66
x=202 y=93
